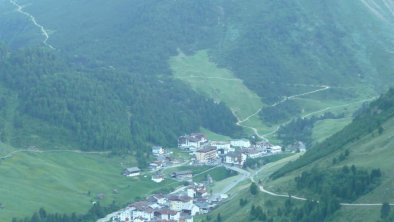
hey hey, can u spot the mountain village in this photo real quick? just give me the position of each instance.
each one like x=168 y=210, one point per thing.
x=193 y=197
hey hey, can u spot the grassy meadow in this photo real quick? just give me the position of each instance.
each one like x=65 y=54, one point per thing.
x=67 y=182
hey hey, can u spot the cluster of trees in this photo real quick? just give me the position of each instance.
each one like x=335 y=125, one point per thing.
x=96 y=212
x=301 y=129
x=257 y=214
x=258 y=162
x=309 y=211
x=369 y=121
x=341 y=157
x=345 y=184
x=280 y=113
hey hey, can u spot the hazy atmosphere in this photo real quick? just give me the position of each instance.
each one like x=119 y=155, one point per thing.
x=196 y=110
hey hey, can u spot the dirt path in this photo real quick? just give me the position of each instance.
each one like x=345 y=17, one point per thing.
x=255 y=131
x=43 y=31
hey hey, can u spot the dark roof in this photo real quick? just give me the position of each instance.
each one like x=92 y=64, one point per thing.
x=180 y=198
x=167 y=211
x=133 y=169
x=233 y=154
x=179 y=173
x=207 y=149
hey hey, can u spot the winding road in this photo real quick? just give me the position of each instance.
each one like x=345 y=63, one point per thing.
x=255 y=131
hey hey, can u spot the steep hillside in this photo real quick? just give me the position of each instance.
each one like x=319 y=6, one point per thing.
x=53 y=103
x=277 y=48
x=336 y=168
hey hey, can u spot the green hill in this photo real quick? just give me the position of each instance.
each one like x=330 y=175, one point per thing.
x=366 y=143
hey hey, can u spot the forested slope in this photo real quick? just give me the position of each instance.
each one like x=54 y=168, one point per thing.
x=101 y=108
x=277 y=48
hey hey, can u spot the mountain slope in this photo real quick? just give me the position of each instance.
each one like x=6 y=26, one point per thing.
x=277 y=48
x=100 y=108
x=358 y=145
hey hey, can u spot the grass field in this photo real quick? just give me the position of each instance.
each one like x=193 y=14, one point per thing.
x=200 y=173
x=214 y=136
x=66 y=182
x=220 y=84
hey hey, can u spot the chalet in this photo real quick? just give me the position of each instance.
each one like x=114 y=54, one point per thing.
x=158 y=198
x=167 y=215
x=179 y=203
x=201 y=192
x=207 y=154
x=236 y=158
x=221 y=144
x=157 y=150
x=183 y=175
x=132 y=172
x=275 y=149
x=186 y=218
x=203 y=205
x=254 y=153
x=142 y=211
x=157 y=178
x=263 y=145
x=298 y=146
x=124 y=215
x=241 y=143
x=191 y=192
x=156 y=165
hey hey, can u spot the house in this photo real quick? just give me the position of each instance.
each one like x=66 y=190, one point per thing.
x=221 y=144
x=236 y=158
x=191 y=192
x=132 y=172
x=192 y=141
x=254 y=153
x=183 y=175
x=203 y=205
x=156 y=165
x=124 y=215
x=275 y=149
x=201 y=137
x=298 y=146
x=157 y=150
x=157 y=178
x=158 y=198
x=207 y=154
x=167 y=215
x=186 y=218
x=178 y=203
x=201 y=192
x=242 y=143
x=142 y=211
x=263 y=145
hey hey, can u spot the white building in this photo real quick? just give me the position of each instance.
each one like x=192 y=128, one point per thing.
x=158 y=150
x=178 y=203
x=146 y=213
x=157 y=178
x=242 y=143
x=221 y=144
x=132 y=172
x=167 y=215
x=192 y=141
x=124 y=215
x=236 y=158
x=275 y=149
